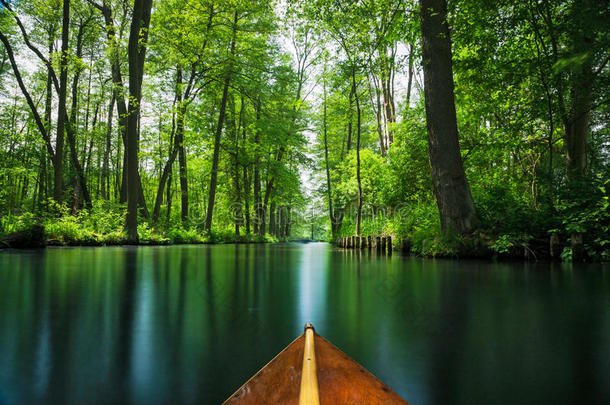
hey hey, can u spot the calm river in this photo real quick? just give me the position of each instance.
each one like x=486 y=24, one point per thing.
x=190 y=324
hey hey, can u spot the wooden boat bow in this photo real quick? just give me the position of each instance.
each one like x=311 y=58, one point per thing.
x=312 y=371
x=309 y=394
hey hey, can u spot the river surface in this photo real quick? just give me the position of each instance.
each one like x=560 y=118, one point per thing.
x=190 y=324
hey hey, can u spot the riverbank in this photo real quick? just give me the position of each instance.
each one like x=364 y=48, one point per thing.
x=28 y=232
x=478 y=245
x=38 y=236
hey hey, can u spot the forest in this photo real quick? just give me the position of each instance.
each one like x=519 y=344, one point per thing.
x=460 y=128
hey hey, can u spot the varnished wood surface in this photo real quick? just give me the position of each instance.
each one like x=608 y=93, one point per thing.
x=341 y=380
x=309 y=376
x=276 y=383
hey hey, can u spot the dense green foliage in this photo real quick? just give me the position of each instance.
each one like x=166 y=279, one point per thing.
x=241 y=97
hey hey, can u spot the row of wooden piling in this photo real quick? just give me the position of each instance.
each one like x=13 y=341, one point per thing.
x=380 y=243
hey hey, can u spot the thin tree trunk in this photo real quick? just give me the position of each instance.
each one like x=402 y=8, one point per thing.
x=388 y=97
x=81 y=185
x=247 y=199
x=168 y=196
x=358 y=126
x=238 y=214
x=410 y=78
x=58 y=181
x=179 y=143
x=453 y=197
x=378 y=116
x=272 y=230
x=328 y=185
x=349 y=120
x=221 y=118
x=106 y=160
x=176 y=137
x=258 y=216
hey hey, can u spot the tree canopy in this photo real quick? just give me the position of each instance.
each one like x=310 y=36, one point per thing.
x=457 y=127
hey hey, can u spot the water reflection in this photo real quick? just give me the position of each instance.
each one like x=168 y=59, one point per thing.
x=189 y=324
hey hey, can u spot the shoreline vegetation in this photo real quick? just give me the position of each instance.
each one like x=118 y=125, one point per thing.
x=26 y=232
x=463 y=128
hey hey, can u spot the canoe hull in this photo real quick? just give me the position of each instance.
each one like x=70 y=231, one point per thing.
x=341 y=380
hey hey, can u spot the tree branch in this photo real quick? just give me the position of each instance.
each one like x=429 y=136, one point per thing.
x=32 y=47
x=39 y=123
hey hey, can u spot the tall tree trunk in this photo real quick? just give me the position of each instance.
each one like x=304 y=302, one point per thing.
x=165 y=175
x=48 y=106
x=282 y=226
x=173 y=152
x=106 y=160
x=136 y=55
x=247 y=199
x=410 y=73
x=58 y=180
x=81 y=186
x=168 y=196
x=117 y=79
x=388 y=93
x=358 y=130
x=328 y=185
x=179 y=144
x=350 y=119
x=238 y=214
x=272 y=218
x=288 y=221
x=221 y=118
x=378 y=114
x=577 y=120
x=258 y=216
x=184 y=184
x=453 y=197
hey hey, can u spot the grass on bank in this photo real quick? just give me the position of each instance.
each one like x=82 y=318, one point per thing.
x=101 y=226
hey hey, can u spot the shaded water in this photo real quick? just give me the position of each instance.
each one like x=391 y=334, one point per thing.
x=189 y=324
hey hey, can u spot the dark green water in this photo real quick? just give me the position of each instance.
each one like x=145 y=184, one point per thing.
x=189 y=324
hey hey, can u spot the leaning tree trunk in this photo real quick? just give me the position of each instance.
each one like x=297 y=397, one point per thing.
x=71 y=130
x=216 y=155
x=106 y=160
x=359 y=180
x=453 y=197
x=258 y=215
x=58 y=181
x=333 y=226
x=136 y=54
x=221 y=118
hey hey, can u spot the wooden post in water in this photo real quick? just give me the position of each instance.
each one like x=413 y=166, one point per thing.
x=555 y=246
x=369 y=242
x=382 y=248
x=389 y=244
x=378 y=243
